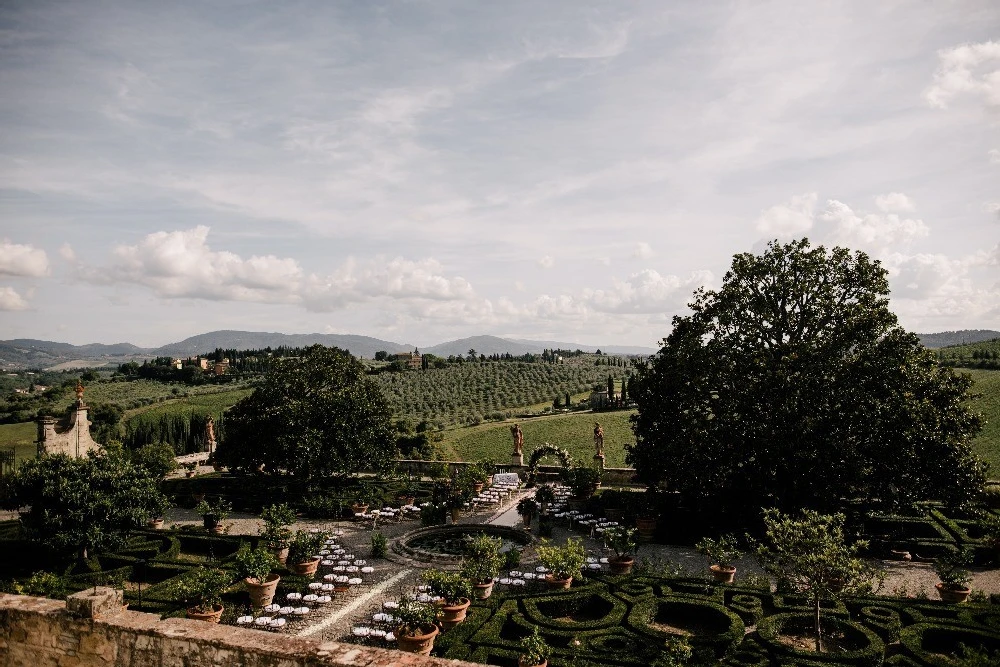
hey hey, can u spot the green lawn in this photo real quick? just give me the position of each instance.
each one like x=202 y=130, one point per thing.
x=987 y=403
x=21 y=437
x=573 y=432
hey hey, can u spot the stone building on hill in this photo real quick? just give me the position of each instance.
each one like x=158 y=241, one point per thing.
x=71 y=435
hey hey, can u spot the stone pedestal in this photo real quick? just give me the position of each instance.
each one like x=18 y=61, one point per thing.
x=95 y=603
x=599 y=462
x=516 y=459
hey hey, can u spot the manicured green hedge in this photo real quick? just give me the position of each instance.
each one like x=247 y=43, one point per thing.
x=870 y=653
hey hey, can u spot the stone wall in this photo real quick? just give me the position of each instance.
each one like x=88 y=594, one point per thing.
x=611 y=476
x=92 y=631
x=71 y=437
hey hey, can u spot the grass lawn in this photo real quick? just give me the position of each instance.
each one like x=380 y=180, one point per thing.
x=987 y=403
x=573 y=432
x=21 y=437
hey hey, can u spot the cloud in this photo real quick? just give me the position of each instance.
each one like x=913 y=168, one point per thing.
x=894 y=202
x=646 y=292
x=67 y=253
x=992 y=207
x=546 y=262
x=870 y=231
x=789 y=219
x=11 y=300
x=994 y=156
x=972 y=69
x=642 y=250
x=22 y=260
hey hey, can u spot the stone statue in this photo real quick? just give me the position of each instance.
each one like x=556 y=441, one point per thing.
x=518 y=436
x=598 y=439
x=79 y=392
x=210 y=433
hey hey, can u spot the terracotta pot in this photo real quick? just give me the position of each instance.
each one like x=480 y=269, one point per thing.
x=155 y=524
x=552 y=582
x=483 y=591
x=452 y=615
x=953 y=593
x=211 y=523
x=521 y=663
x=213 y=616
x=262 y=594
x=621 y=564
x=477 y=487
x=280 y=552
x=306 y=568
x=898 y=554
x=723 y=575
x=197 y=497
x=358 y=508
x=419 y=643
x=527 y=519
x=646 y=527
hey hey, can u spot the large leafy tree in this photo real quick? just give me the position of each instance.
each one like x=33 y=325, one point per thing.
x=86 y=504
x=316 y=415
x=793 y=386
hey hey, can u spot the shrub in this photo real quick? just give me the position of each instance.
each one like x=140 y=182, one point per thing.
x=379 y=545
x=414 y=615
x=534 y=650
x=305 y=546
x=482 y=559
x=951 y=570
x=220 y=510
x=722 y=552
x=621 y=540
x=452 y=587
x=255 y=564
x=277 y=519
x=202 y=588
x=564 y=561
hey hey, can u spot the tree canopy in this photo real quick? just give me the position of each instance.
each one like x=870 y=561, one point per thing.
x=793 y=386
x=316 y=415
x=83 y=504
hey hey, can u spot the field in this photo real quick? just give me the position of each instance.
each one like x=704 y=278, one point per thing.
x=21 y=437
x=573 y=432
x=987 y=403
x=213 y=403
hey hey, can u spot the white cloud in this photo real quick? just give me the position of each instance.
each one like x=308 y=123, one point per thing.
x=66 y=252
x=646 y=292
x=870 y=231
x=642 y=250
x=546 y=262
x=789 y=219
x=22 y=260
x=894 y=202
x=972 y=69
x=992 y=207
x=11 y=300
x=994 y=155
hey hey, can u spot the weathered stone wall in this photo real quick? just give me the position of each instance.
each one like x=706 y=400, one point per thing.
x=45 y=633
x=71 y=437
x=611 y=476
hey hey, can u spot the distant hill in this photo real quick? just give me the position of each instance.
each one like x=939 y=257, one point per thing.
x=361 y=346
x=494 y=345
x=963 y=337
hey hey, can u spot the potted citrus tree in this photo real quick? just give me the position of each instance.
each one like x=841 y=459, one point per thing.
x=202 y=590
x=953 y=587
x=303 y=550
x=527 y=508
x=254 y=566
x=416 y=630
x=455 y=592
x=276 y=534
x=622 y=540
x=482 y=564
x=563 y=562
x=722 y=553
x=213 y=515
x=545 y=496
x=534 y=651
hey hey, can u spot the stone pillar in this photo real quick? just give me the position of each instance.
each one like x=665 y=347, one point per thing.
x=96 y=602
x=517 y=459
x=599 y=462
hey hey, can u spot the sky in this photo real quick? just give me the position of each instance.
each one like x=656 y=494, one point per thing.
x=425 y=171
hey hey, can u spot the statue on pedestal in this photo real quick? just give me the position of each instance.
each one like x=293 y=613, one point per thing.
x=517 y=456
x=598 y=440
x=210 y=434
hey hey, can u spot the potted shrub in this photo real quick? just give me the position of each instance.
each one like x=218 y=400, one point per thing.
x=362 y=499
x=527 y=508
x=722 y=552
x=408 y=491
x=953 y=587
x=583 y=480
x=202 y=590
x=647 y=514
x=213 y=515
x=255 y=566
x=623 y=541
x=544 y=496
x=416 y=630
x=534 y=651
x=482 y=564
x=563 y=562
x=190 y=468
x=457 y=501
x=455 y=591
x=277 y=535
x=303 y=552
